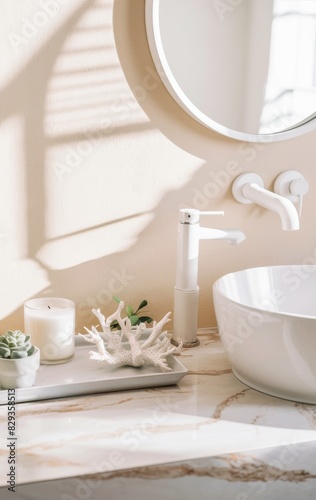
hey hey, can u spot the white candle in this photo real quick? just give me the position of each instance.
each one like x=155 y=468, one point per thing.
x=51 y=324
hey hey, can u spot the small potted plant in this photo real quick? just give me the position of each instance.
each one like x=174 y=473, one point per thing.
x=19 y=360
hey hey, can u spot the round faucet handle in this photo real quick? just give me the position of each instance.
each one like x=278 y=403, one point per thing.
x=292 y=185
x=243 y=180
x=299 y=187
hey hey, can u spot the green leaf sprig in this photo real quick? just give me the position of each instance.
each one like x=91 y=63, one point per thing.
x=133 y=316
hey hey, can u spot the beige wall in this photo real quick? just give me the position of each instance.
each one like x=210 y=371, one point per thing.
x=91 y=180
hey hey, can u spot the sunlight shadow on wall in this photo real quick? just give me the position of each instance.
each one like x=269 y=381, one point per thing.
x=91 y=169
x=93 y=243
x=87 y=91
x=63 y=105
x=88 y=104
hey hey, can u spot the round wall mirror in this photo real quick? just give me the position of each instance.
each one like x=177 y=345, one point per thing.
x=244 y=68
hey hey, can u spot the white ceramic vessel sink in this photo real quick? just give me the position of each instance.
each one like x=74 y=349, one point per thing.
x=267 y=323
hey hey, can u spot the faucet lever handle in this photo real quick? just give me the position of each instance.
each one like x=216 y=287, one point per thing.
x=211 y=212
x=300 y=205
x=192 y=215
x=299 y=188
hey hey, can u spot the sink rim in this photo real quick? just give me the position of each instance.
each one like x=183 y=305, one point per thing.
x=255 y=338
x=261 y=309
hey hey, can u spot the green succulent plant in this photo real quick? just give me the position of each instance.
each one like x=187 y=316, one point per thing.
x=15 y=344
x=133 y=316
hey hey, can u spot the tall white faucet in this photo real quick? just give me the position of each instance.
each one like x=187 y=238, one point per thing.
x=186 y=291
x=248 y=188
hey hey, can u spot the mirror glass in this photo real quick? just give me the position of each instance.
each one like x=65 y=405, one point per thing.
x=245 y=68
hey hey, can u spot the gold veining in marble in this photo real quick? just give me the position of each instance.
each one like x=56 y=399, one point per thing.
x=94 y=402
x=65 y=406
x=308 y=411
x=209 y=414
x=213 y=373
x=40 y=460
x=246 y=469
x=217 y=413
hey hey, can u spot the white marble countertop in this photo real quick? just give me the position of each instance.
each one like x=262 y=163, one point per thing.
x=209 y=415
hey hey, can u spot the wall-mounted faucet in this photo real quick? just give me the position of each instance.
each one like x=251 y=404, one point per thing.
x=186 y=292
x=249 y=188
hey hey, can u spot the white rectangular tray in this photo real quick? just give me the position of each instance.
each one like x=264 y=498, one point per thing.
x=82 y=375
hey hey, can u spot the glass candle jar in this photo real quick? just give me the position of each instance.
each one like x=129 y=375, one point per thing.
x=51 y=324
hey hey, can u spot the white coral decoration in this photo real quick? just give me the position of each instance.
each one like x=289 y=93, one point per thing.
x=112 y=351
